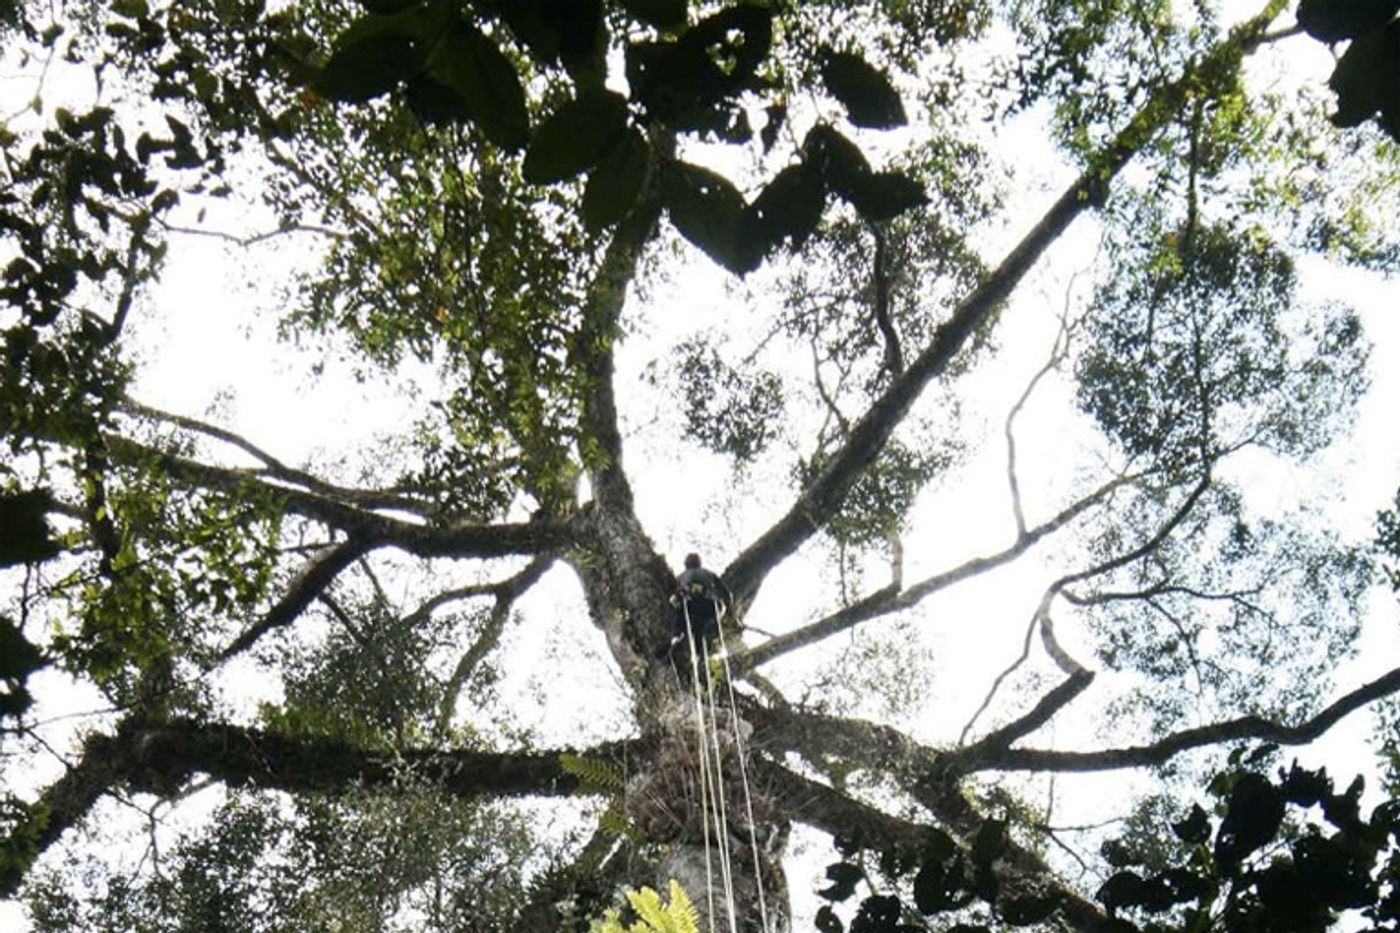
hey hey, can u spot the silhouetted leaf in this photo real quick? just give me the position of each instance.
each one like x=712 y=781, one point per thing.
x=470 y=64
x=869 y=98
x=24 y=531
x=790 y=206
x=1367 y=80
x=939 y=885
x=687 y=82
x=377 y=52
x=886 y=195
x=1195 y=828
x=663 y=14
x=614 y=185
x=774 y=115
x=575 y=137
x=991 y=841
x=1255 y=811
x=1122 y=889
x=878 y=913
x=1334 y=20
x=839 y=161
x=843 y=877
x=710 y=212
x=18 y=656
x=1305 y=787
x=827 y=921
x=389 y=6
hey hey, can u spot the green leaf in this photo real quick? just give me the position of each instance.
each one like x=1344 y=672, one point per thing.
x=575 y=137
x=368 y=69
x=1335 y=20
x=869 y=98
x=379 y=51
x=710 y=212
x=614 y=185
x=24 y=531
x=839 y=161
x=790 y=206
x=663 y=14
x=468 y=63
x=885 y=195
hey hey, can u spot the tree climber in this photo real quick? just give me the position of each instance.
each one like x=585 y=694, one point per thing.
x=702 y=599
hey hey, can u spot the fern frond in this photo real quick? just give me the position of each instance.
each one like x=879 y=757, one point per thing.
x=593 y=776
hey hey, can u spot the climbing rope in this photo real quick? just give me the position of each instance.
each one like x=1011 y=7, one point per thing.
x=744 y=779
x=711 y=786
x=704 y=766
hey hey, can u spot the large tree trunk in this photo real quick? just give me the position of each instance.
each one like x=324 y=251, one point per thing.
x=719 y=835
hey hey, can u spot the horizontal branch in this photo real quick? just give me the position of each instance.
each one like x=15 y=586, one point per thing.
x=160 y=757
x=1244 y=728
x=275 y=468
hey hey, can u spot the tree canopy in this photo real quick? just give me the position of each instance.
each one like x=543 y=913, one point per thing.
x=912 y=316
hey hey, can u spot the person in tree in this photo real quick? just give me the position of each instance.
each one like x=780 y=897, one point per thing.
x=702 y=600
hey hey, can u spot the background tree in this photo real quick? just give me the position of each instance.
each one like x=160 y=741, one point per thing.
x=489 y=197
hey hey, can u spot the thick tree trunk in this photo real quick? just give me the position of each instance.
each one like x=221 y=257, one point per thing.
x=719 y=835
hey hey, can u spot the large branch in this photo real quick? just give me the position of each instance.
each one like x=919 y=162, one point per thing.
x=1244 y=728
x=824 y=495
x=274 y=468
x=448 y=539
x=309 y=582
x=591 y=353
x=160 y=757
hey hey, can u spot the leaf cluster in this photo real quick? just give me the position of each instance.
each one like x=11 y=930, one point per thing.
x=1248 y=866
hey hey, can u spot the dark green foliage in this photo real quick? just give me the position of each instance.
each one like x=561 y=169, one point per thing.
x=24 y=531
x=1335 y=20
x=790 y=206
x=616 y=182
x=869 y=98
x=468 y=64
x=575 y=137
x=1388 y=542
x=663 y=14
x=20 y=826
x=19 y=658
x=710 y=212
x=1248 y=881
x=1264 y=873
x=1201 y=324
x=1367 y=80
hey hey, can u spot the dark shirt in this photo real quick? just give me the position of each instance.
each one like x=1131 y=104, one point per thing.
x=703 y=583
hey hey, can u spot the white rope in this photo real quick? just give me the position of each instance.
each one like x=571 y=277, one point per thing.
x=722 y=816
x=744 y=780
x=704 y=765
